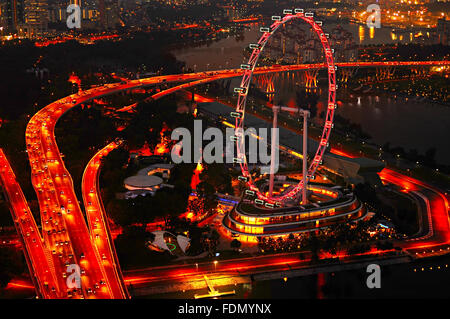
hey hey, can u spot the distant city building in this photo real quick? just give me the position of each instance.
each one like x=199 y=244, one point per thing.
x=309 y=55
x=101 y=12
x=345 y=49
x=91 y=17
x=111 y=14
x=234 y=12
x=35 y=18
x=292 y=44
x=443 y=31
x=11 y=15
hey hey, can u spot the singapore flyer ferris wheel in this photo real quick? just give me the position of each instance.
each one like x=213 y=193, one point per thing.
x=242 y=91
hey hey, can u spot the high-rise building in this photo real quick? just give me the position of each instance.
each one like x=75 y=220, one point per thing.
x=111 y=14
x=36 y=18
x=443 y=31
x=3 y=23
x=108 y=14
x=102 y=13
x=11 y=15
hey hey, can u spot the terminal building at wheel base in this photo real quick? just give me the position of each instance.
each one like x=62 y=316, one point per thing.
x=327 y=205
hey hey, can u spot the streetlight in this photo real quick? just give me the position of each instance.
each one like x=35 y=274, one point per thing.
x=196 y=266
x=215 y=265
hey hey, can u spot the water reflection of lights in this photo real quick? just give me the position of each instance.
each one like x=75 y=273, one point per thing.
x=361 y=34
x=359 y=101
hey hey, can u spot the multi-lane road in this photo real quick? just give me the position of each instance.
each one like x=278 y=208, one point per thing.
x=64 y=226
x=36 y=253
x=98 y=221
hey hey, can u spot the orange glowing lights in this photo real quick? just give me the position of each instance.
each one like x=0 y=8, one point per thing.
x=199 y=167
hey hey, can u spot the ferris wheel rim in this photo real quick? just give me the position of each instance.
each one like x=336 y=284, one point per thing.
x=245 y=85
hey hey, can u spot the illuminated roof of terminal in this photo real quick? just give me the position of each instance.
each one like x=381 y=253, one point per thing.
x=143 y=181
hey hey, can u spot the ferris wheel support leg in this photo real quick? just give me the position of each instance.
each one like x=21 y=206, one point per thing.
x=272 y=150
x=305 y=157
